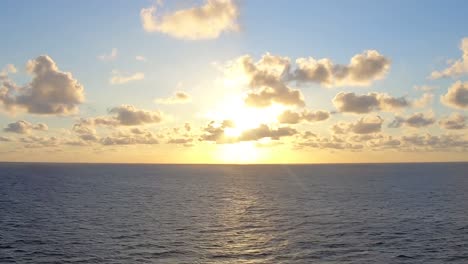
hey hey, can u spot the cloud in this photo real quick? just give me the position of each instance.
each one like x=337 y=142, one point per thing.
x=109 y=57
x=9 y=68
x=129 y=138
x=266 y=84
x=140 y=58
x=186 y=142
x=216 y=132
x=51 y=91
x=120 y=78
x=359 y=104
x=458 y=67
x=456 y=96
x=454 y=121
x=425 y=88
x=365 y=125
x=430 y=142
x=425 y=100
x=179 y=97
x=416 y=120
x=204 y=22
x=362 y=70
x=24 y=127
x=290 y=117
x=263 y=131
x=124 y=115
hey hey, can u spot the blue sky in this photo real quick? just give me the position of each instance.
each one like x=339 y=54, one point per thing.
x=417 y=36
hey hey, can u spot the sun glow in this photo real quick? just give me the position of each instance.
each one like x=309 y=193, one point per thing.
x=242 y=152
x=245 y=117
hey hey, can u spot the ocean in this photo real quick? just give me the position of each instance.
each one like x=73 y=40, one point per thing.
x=335 y=213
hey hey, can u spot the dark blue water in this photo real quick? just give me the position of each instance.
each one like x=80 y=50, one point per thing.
x=396 y=213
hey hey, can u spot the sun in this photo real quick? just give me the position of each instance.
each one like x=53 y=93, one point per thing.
x=243 y=118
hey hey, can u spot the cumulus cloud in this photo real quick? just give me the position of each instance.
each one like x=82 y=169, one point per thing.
x=109 y=57
x=266 y=84
x=454 y=121
x=430 y=142
x=204 y=22
x=121 y=78
x=456 y=96
x=216 y=132
x=124 y=115
x=24 y=127
x=365 y=125
x=179 y=97
x=458 y=67
x=263 y=131
x=51 y=91
x=416 y=120
x=9 y=68
x=290 y=117
x=129 y=138
x=362 y=70
x=425 y=100
x=359 y=104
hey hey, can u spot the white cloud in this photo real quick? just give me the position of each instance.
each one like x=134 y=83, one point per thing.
x=425 y=100
x=454 y=121
x=359 y=104
x=109 y=57
x=24 y=127
x=124 y=115
x=416 y=120
x=121 y=78
x=362 y=70
x=179 y=97
x=140 y=58
x=456 y=68
x=456 y=96
x=365 y=125
x=51 y=91
x=204 y=22
x=290 y=117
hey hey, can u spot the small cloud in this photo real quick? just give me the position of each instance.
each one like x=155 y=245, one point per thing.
x=179 y=97
x=456 y=96
x=457 y=67
x=366 y=103
x=109 y=57
x=424 y=101
x=416 y=120
x=140 y=58
x=24 y=127
x=454 y=121
x=425 y=88
x=121 y=78
x=203 y=22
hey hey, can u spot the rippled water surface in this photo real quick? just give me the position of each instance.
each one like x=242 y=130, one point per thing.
x=394 y=213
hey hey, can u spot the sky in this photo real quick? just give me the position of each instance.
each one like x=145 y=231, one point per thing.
x=225 y=81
